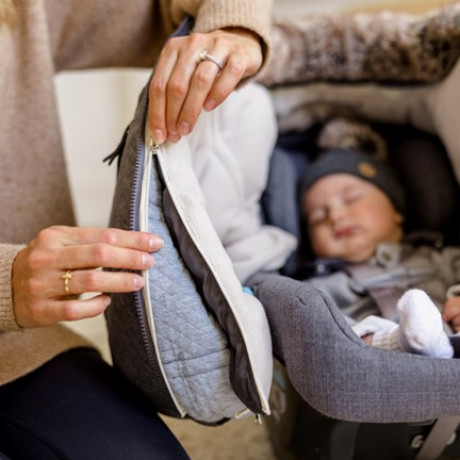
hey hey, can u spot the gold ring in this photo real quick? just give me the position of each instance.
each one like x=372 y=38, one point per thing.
x=205 y=56
x=67 y=276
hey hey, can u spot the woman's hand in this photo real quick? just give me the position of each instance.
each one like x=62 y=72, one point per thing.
x=39 y=272
x=184 y=83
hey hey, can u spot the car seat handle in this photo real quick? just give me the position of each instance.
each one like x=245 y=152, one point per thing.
x=438 y=437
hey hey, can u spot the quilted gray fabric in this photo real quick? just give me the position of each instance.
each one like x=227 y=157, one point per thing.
x=192 y=347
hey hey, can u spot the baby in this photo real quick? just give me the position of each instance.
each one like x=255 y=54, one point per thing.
x=353 y=209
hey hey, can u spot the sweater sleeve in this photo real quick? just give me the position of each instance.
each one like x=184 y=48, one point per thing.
x=8 y=253
x=106 y=33
x=253 y=15
x=117 y=33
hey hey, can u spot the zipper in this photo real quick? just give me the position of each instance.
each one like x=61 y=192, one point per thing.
x=150 y=150
x=133 y=227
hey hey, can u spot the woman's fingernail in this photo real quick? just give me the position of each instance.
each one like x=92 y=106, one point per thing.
x=184 y=128
x=156 y=244
x=138 y=282
x=173 y=137
x=147 y=260
x=158 y=136
x=209 y=105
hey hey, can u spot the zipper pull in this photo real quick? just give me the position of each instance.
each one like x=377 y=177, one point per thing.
x=153 y=148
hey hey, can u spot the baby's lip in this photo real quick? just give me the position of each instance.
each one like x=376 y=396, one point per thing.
x=344 y=232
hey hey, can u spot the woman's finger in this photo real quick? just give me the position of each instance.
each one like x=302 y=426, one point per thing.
x=76 y=282
x=226 y=83
x=244 y=60
x=201 y=84
x=51 y=311
x=61 y=236
x=58 y=283
x=100 y=255
x=180 y=84
x=157 y=92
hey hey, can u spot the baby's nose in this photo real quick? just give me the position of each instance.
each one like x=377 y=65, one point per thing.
x=336 y=212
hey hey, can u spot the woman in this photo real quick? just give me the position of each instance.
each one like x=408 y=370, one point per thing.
x=59 y=399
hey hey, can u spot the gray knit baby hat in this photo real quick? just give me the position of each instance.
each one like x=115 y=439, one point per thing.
x=338 y=160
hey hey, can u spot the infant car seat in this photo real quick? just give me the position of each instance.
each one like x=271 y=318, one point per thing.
x=359 y=66
x=296 y=429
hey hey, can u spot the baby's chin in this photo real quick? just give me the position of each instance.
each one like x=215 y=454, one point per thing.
x=358 y=256
x=354 y=248
x=350 y=255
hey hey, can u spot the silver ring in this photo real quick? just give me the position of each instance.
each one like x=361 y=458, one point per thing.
x=205 y=56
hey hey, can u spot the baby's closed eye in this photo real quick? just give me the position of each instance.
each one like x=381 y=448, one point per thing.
x=352 y=195
x=316 y=216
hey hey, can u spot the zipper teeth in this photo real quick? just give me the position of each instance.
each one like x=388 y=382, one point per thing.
x=150 y=152
x=133 y=227
x=137 y=168
x=142 y=151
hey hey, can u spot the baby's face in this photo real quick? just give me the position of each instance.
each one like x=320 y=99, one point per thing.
x=348 y=218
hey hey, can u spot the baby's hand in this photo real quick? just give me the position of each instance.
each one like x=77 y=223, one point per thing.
x=451 y=313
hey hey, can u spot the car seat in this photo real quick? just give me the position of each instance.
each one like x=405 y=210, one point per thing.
x=375 y=68
x=296 y=429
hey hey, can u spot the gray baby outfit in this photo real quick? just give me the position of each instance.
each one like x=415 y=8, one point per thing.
x=373 y=288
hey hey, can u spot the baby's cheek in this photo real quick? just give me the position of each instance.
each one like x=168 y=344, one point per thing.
x=321 y=245
x=452 y=308
x=454 y=302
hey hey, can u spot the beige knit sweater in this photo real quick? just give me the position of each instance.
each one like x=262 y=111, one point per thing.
x=53 y=35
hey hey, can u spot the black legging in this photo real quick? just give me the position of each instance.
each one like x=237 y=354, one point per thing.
x=78 y=407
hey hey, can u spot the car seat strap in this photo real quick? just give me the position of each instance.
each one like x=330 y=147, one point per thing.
x=385 y=296
x=386 y=299
x=438 y=437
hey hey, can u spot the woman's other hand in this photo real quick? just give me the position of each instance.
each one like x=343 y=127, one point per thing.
x=184 y=83
x=63 y=262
